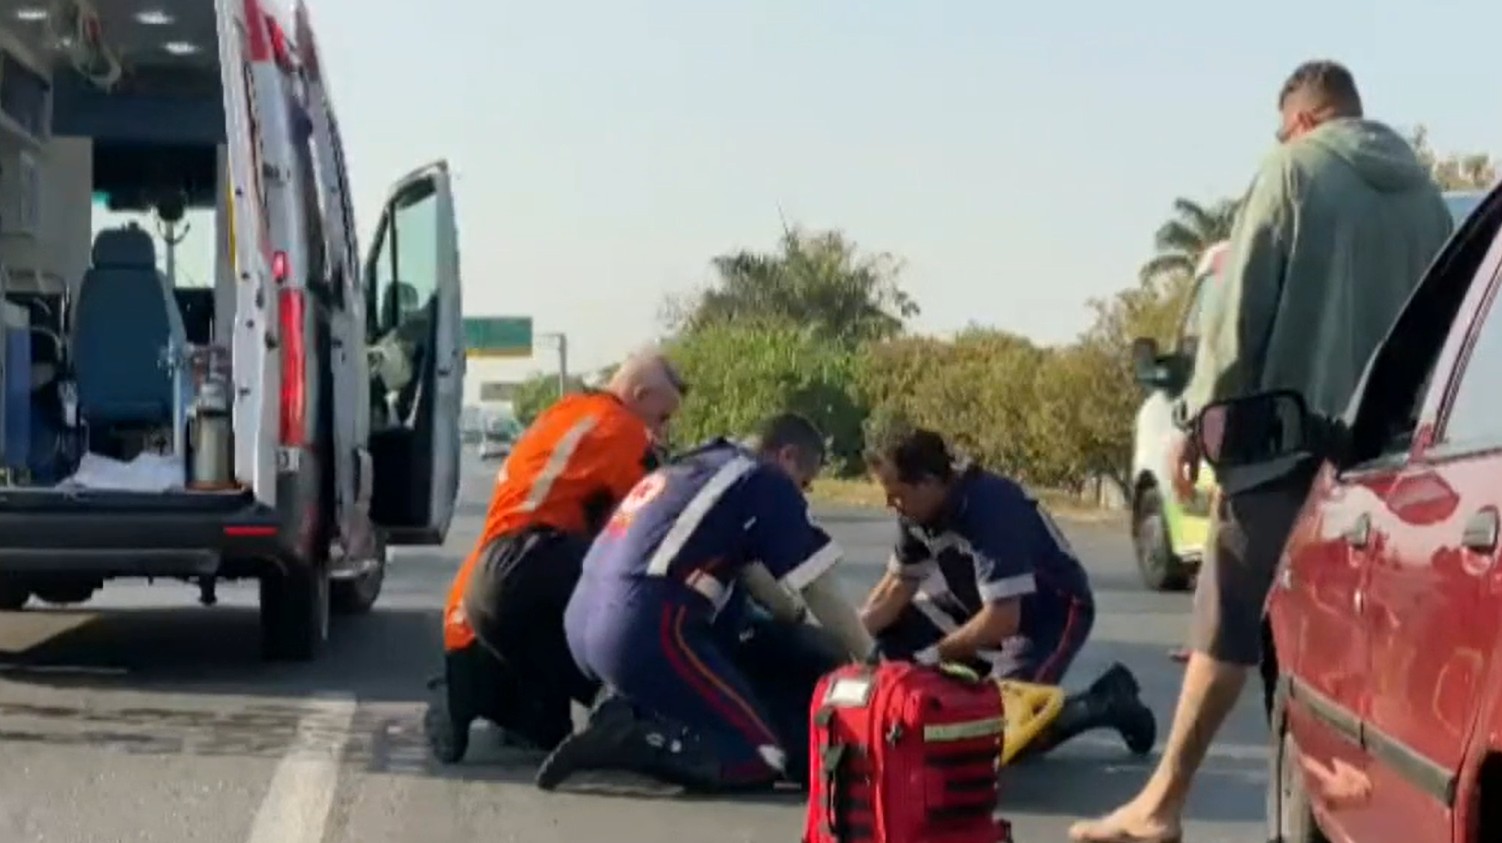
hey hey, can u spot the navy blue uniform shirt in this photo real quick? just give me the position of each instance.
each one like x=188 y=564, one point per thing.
x=992 y=542
x=696 y=522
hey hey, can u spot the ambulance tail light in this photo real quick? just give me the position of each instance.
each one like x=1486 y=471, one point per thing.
x=292 y=307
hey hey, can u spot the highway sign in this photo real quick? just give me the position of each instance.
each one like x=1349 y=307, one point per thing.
x=495 y=391
x=498 y=336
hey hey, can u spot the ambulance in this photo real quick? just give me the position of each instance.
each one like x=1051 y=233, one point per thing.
x=204 y=379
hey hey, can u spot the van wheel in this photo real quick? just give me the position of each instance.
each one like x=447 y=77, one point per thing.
x=13 y=596
x=295 y=612
x=359 y=595
x=1289 y=813
x=66 y=595
x=1161 y=570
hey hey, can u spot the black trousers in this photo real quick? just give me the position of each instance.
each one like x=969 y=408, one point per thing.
x=521 y=675
x=784 y=662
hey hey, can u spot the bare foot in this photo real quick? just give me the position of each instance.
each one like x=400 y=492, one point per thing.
x=1127 y=824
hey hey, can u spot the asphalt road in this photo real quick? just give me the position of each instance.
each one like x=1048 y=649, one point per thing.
x=144 y=717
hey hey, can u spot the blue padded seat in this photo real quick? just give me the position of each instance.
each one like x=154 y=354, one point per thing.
x=125 y=319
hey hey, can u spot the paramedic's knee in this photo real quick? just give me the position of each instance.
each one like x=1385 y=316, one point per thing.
x=751 y=767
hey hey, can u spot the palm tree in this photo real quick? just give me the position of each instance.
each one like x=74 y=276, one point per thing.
x=1187 y=235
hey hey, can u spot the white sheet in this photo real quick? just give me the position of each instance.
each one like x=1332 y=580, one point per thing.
x=148 y=472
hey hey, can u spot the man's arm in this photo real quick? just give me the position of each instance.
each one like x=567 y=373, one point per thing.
x=886 y=601
x=994 y=623
x=1005 y=545
x=1228 y=361
x=907 y=568
x=801 y=557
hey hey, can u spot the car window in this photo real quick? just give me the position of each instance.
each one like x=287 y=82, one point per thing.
x=1391 y=395
x=1462 y=202
x=1475 y=415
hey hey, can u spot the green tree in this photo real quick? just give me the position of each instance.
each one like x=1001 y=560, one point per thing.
x=976 y=390
x=820 y=280
x=536 y=394
x=1180 y=242
x=741 y=372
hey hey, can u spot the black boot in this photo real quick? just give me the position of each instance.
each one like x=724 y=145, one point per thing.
x=447 y=730
x=617 y=738
x=1110 y=702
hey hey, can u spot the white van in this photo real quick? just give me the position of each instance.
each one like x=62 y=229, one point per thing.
x=202 y=379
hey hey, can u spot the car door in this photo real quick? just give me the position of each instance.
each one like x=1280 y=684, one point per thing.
x=256 y=379
x=413 y=316
x=1430 y=619
x=351 y=387
x=1314 y=608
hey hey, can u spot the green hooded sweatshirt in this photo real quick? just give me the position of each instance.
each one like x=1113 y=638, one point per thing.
x=1333 y=235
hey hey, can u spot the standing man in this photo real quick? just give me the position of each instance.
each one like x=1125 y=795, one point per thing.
x=505 y=656
x=1334 y=235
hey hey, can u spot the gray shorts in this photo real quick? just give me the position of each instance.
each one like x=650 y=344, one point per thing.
x=1247 y=532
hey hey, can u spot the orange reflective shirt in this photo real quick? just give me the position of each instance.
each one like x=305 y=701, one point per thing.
x=569 y=469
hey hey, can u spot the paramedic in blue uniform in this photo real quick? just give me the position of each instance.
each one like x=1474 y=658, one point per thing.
x=680 y=547
x=981 y=575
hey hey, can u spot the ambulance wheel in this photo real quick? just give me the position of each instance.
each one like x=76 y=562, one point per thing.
x=358 y=596
x=1161 y=570
x=13 y=596
x=295 y=611
x=1289 y=812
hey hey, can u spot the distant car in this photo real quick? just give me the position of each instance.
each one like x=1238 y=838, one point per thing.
x=1168 y=533
x=495 y=448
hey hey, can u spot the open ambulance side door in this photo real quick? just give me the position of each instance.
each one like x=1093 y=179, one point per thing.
x=414 y=342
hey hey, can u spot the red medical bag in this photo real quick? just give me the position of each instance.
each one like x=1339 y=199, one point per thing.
x=902 y=753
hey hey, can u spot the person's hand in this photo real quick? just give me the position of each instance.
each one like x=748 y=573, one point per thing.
x=928 y=656
x=1183 y=463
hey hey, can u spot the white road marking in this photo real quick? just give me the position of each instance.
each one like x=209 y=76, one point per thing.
x=301 y=795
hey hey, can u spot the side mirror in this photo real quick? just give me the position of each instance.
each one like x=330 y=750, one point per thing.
x=1254 y=429
x=1145 y=366
x=1155 y=370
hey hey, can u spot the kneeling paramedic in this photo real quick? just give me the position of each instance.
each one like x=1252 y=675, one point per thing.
x=642 y=620
x=982 y=576
x=505 y=656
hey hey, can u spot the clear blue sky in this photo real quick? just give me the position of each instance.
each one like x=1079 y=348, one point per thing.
x=1018 y=155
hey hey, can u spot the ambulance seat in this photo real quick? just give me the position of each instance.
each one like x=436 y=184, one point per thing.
x=125 y=319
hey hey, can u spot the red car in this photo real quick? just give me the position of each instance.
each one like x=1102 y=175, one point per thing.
x=1386 y=612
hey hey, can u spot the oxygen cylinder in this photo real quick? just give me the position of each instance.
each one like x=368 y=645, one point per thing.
x=213 y=456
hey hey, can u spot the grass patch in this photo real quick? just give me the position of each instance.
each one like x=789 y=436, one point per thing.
x=865 y=494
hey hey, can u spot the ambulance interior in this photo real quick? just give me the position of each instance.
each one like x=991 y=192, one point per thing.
x=114 y=262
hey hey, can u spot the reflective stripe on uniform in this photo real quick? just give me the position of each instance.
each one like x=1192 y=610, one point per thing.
x=698 y=507
x=713 y=590
x=557 y=463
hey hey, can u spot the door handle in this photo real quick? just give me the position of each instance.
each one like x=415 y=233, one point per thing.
x=1480 y=533
x=1361 y=532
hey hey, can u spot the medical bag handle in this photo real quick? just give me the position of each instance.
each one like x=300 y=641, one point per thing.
x=831 y=764
x=953 y=670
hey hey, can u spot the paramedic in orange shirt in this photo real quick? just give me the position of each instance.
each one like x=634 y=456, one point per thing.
x=505 y=656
